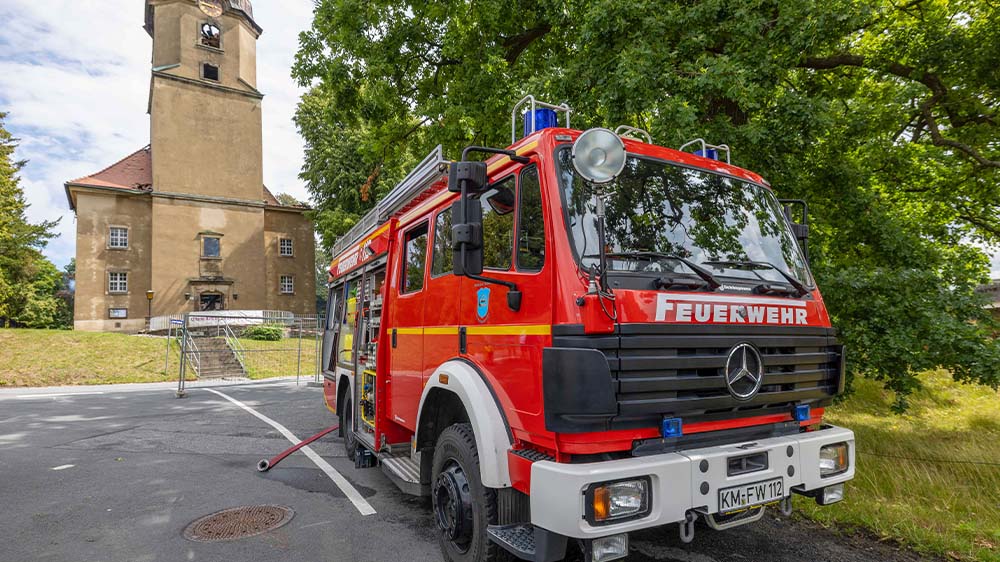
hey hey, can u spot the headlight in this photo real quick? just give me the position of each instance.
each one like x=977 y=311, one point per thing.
x=615 y=501
x=833 y=459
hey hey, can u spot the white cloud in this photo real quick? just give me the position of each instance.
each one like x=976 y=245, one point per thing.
x=74 y=78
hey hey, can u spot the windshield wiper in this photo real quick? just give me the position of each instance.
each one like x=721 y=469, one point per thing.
x=700 y=271
x=800 y=289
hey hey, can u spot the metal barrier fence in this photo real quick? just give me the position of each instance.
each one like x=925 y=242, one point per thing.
x=159 y=324
x=238 y=345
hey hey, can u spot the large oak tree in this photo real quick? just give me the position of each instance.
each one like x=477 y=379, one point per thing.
x=883 y=114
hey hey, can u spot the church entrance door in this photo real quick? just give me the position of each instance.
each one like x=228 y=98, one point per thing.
x=211 y=301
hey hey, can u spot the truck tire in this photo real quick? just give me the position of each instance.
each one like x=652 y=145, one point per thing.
x=462 y=506
x=347 y=425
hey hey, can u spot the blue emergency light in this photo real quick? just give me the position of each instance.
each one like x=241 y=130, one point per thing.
x=544 y=118
x=672 y=427
x=708 y=153
x=802 y=413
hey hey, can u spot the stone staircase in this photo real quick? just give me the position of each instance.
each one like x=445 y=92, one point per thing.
x=217 y=359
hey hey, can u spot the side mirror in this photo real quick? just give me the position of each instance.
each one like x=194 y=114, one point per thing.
x=467 y=237
x=467 y=177
x=800 y=229
x=470 y=179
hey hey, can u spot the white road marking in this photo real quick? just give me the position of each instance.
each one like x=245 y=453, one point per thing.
x=352 y=494
x=57 y=394
x=63 y=467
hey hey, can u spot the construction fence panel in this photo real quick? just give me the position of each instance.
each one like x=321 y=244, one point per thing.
x=247 y=345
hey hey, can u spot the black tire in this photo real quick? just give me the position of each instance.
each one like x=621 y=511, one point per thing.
x=462 y=506
x=347 y=425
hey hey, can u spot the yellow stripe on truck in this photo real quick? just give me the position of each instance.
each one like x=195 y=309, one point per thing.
x=510 y=330
x=506 y=159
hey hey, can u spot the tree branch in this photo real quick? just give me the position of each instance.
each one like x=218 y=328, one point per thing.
x=939 y=140
x=939 y=97
x=517 y=44
x=929 y=79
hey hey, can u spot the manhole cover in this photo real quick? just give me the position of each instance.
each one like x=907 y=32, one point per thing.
x=238 y=522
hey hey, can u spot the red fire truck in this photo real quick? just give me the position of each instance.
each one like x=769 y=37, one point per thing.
x=584 y=335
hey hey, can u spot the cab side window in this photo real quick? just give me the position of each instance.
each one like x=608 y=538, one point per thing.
x=415 y=259
x=442 y=258
x=531 y=223
x=498 y=225
x=347 y=316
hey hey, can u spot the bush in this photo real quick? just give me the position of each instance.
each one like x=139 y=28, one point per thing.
x=264 y=333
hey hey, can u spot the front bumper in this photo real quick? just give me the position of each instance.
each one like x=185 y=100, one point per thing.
x=678 y=480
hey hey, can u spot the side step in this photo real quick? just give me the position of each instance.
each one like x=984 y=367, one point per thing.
x=404 y=473
x=528 y=542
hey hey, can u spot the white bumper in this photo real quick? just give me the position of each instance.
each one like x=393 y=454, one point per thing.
x=557 y=489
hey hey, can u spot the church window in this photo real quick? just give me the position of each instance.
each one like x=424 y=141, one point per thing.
x=210 y=72
x=211 y=247
x=286 y=284
x=118 y=237
x=285 y=247
x=117 y=282
x=210 y=35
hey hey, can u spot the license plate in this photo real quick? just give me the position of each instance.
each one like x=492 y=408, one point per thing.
x=750 y=495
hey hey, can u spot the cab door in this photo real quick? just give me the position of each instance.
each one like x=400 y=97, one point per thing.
x=406 y=326
x=441 y=318
x=508 y=343
x=331 y=329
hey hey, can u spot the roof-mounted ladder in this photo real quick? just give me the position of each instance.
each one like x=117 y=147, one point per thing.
x=428 y=172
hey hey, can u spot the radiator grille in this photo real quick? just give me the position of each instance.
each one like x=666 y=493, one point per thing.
x=678 y=371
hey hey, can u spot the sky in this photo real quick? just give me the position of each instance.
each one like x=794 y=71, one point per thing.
x=74 y=80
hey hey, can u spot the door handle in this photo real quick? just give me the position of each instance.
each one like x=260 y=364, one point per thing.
x=394 y=338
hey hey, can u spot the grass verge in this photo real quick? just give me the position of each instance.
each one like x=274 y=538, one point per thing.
x=282 y=358
x=929 y=479
x=63 y=357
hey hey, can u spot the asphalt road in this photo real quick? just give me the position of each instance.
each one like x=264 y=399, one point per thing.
x=145 y=465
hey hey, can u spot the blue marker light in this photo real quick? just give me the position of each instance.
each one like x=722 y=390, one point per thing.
x=672 y=427
x=802 y=413
x=544 y=118
x=708 y=153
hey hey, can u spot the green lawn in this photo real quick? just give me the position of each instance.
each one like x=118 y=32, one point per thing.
x=63 y=357
x=266 y=359
x=930 y=478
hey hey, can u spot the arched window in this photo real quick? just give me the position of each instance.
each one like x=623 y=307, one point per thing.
x=210 y=35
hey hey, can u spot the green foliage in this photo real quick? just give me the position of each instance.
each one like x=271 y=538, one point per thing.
x=29 y=283
x=882 y=114
x=264 y=332
x=290 y=200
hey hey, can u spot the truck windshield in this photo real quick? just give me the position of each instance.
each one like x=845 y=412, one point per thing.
x=655 y=210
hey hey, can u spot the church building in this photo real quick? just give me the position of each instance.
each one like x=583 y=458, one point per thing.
x=186 y=223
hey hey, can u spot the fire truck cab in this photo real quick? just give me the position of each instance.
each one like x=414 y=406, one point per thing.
x=584 y=335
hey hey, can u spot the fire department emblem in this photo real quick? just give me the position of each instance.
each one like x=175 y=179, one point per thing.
x=744 y=372
x=482 y=303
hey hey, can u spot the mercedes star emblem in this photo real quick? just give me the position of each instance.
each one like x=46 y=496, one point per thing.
x=744 y=372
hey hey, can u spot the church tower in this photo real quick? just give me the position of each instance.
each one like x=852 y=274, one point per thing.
x=204 y=106
x=186 y=225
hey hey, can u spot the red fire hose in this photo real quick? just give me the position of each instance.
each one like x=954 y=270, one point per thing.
x=267 y=464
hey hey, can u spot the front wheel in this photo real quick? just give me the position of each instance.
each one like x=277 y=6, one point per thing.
x=347 y=425
x=463 y=507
